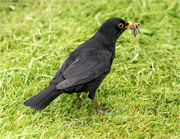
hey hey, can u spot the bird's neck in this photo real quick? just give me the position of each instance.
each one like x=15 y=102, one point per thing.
x=107 y=40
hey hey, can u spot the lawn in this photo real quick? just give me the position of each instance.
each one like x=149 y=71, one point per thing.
x=143 y=86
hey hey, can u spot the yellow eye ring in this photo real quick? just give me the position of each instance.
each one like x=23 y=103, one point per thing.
x=120 y=25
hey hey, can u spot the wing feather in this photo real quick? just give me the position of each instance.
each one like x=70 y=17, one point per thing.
x=86 y=68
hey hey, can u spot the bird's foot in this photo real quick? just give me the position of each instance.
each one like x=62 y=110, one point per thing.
x=79 y=101
x=102 y=111
x=110 y=110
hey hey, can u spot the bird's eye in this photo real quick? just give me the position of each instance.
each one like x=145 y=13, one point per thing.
x=120 y=25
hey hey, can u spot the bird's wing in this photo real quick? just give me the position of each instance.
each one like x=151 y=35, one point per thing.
x=87 y=67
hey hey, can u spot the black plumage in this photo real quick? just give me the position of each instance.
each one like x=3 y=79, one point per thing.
x=86 y=66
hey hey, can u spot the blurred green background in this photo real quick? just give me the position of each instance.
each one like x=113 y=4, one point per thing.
x=143 y=85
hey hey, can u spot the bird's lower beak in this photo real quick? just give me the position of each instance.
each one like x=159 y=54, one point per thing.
x=131 y=25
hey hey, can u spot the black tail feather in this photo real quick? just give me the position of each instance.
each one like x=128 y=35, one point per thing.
x=43 y=99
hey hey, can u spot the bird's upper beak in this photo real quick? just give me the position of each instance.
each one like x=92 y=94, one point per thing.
x=131 y=25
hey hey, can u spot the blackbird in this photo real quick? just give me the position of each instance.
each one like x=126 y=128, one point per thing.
x=86 y=66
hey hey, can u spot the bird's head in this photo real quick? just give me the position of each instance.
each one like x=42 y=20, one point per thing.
x=114 y=27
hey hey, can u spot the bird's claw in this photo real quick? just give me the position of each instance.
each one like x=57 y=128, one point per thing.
x=109 y=110
x=102 y=111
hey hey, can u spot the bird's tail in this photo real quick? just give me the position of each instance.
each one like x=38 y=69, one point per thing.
x=44 y=98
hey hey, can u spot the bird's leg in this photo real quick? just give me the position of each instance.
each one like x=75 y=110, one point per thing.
x=79 y=101
x=100 y=110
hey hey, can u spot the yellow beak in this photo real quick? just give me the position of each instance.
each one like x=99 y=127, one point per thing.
x=131 y=25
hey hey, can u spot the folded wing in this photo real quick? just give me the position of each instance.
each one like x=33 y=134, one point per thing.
x=87 y=67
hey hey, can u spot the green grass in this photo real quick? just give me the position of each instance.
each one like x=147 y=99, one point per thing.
x=143 y=85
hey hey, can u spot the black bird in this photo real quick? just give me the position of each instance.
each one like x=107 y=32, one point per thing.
x=86 y=66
